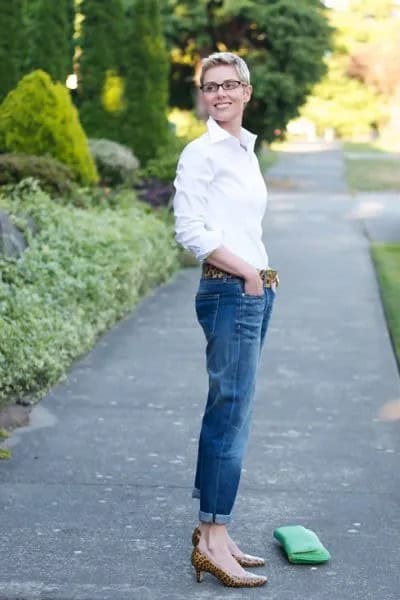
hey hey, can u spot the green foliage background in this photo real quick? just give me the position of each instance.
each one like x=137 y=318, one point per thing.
x=343 y=103
x=11 y=44
x=283 y=41
x=343 y=100
x=123 y=61
x=49 y=34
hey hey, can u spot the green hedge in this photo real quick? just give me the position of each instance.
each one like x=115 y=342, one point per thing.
x=83 y=271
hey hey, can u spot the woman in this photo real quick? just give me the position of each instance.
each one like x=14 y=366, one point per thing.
x=219 y=204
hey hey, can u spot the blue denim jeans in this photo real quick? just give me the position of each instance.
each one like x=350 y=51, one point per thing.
x=234 y=324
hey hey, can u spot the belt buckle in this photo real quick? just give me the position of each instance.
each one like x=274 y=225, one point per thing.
x=270 y=277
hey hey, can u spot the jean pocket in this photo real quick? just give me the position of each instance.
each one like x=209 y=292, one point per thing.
x=252 y=297
x=207 y=311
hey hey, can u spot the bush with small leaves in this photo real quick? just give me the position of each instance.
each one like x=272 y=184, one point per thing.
x=54 y=177
x=82 y=271
x=116 y=164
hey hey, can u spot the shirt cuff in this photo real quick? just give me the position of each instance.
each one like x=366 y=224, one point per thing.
x=202 y=247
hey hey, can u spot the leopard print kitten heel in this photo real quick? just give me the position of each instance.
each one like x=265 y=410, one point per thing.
x=247 y=560
x=202 y=564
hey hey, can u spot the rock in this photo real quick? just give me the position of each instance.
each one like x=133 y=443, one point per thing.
x=12 y=242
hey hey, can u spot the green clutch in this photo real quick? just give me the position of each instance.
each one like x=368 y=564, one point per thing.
x=301 y=545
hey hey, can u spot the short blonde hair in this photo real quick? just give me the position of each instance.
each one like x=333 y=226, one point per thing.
x=225 y=58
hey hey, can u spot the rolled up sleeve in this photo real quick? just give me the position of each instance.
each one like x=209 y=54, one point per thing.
x=192 y=230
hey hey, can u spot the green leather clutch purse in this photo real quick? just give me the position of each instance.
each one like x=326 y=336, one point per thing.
x=301 y=545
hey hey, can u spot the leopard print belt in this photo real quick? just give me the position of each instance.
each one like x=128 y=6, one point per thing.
x=268 y=276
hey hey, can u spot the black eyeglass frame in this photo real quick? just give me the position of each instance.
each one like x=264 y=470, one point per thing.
x=222 y=85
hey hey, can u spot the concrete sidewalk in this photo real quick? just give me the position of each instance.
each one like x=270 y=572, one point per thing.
x=96 y=498
x=380 y=215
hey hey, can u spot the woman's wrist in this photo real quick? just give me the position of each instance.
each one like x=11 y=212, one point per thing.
x=250 y=274
x=226 y=260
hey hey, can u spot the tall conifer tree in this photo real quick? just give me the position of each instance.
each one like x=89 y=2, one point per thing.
x=100 y=63
x=11 y=42
x=51 y=27
x=145 y=125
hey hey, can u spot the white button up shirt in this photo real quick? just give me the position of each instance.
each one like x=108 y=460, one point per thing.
x=221 y=196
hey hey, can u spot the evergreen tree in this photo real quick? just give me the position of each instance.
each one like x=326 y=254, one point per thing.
x=145 y=124
x=50 y=34
x=11 y=42
x=39 y=118
x=100 y=66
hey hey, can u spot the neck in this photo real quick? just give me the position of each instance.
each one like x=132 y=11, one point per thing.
x=232 y=127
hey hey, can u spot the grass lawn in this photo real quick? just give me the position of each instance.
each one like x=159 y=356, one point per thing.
x=361 y=147
x=371 y=168
x=387 y=262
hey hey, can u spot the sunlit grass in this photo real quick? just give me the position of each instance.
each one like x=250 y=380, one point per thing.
x=361 y=147
x=369 y=168
x=387 y=262
x=372 y=175
x=381 y=144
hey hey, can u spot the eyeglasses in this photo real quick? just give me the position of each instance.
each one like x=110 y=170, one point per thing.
x=228 y=84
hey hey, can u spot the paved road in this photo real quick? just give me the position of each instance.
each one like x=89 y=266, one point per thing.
x=96 y=499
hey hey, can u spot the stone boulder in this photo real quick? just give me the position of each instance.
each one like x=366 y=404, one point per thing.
x=12 y=241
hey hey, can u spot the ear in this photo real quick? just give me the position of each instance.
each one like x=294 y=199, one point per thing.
x=247 y=92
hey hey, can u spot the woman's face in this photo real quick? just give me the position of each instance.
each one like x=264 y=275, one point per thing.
x=225 y=105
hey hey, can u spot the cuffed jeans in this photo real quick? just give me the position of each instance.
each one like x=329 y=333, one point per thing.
x=235 y=325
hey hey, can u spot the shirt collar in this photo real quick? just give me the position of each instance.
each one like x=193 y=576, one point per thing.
x=217 y=134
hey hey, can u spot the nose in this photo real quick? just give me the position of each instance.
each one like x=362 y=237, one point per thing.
x=221 y=92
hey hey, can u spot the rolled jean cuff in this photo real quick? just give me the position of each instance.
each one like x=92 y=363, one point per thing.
x=195 y=493
x=219 y=519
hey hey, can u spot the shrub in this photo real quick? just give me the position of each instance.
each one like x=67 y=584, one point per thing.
x=38 y=118
x=54 y=177
x=115 y=163
x=163 y=165
x=155 y=179
x=155 y=192
x=82 y=271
